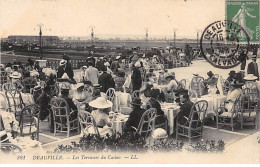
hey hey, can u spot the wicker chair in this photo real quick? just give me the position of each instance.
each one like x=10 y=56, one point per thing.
x=29 y=121
x=7 y=86
x=110 y=94
x=229 y=118
x=252 y=86
x=87 y=123
x=249 y=112
x=28 y=85
x=147 y=123
x=63 y=122
x=193 y=95
x=196 y=83
x=14 y=101
x=194 y=126
x=136 y=94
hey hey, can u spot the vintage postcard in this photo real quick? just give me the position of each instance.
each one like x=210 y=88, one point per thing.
x=129 y=82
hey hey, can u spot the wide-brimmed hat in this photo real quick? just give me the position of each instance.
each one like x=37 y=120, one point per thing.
x=254 y=57
x=97 y=86
x=118 y=57
x=16 y=75
x=136 y=102
x=2 y=66
x=101 y=103
x=250 y=77
x=37 y=87
x=63 y=62
x=137 y=64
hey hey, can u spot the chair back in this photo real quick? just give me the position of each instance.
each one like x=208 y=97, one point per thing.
x=110 y=94
x=193 y=95
x=237 y=105
x=60 y=110
x=14 y=100
x=252 y=86
x=87 y=122
x=249 y=102
x=196 y=84
x=3 y=77
x=28 y=85
x=226 y=86
x=7 y=86
x=182 y=83
x=36 y=93
x=29 y=120
x=197 y=114
x=136 y=94
x=147 y=122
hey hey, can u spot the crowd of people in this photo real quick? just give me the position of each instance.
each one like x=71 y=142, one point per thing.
x=102 y=73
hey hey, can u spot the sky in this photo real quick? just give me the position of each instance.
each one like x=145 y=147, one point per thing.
x=111 y=18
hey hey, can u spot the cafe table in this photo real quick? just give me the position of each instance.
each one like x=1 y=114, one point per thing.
x=171 y=111
x=214 y=102
x=118 y=123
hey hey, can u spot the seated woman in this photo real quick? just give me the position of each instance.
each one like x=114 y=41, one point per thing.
x=210 y=83
x=16 y=80
x=119 y=80
x=101 y=116
x=28 y=82
x=172 y=82
x=232 y=95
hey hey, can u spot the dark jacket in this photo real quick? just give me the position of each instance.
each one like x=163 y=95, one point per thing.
x=114 y=66
x=106 y=81
x=44 y=103
x=73 y=108
x=252 y=70
x=68 y=69
x=136 y=79
x=134 y=118
x=155 y=104
x=185 y=109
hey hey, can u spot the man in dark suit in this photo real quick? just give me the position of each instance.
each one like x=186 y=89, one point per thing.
x=135 y=115
x=106 y=80
x=72 y=106
x=253 y=68
x=185 y=108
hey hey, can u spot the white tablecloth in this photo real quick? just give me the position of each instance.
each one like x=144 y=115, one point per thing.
x=214 y=102
x=119 y=122
x=8 y=119
x=170 y=110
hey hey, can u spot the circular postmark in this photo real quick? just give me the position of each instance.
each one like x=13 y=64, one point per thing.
x=221 y=44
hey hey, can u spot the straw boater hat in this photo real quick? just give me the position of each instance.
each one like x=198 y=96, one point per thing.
x=196 y=74
x=63 y=62
x=106 y=64
x=84 y=67
x=250 y=77
x=16 y=75
x=37 y=87
x=118 y=57
x=101 y=103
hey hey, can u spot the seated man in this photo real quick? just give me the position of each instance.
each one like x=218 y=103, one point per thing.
x=44 y=103
x=185 y=109
x=65 y=95
x=135 y=116
x=154 y=94
x=28 y=82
